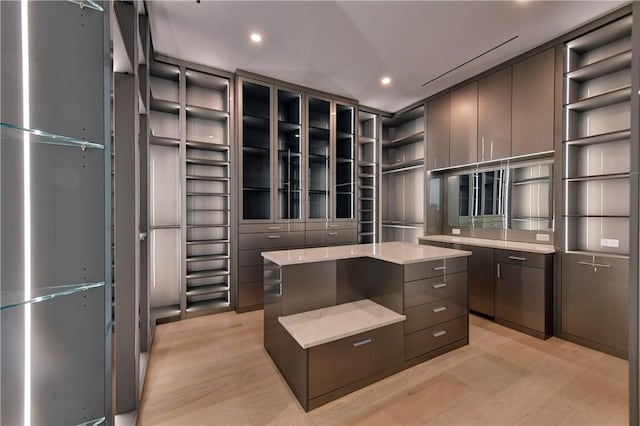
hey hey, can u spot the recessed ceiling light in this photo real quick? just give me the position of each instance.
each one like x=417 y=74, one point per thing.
x=256 y=38
x=386 y=81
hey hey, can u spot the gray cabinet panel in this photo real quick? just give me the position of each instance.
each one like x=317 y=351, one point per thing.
x=250 y=228
x=249 y=273
x=434 y=289
x=331 y=238
x=336 y=364
x=343 y=224
x=464 y=125
x=520 y=296
x=429 y=314
x=250 y=294
x=533 y=104
x=494 y=116
x=595 y=299
x=438 y=128
x=481 y=280
x=417 y=271
x=430 y=339
x=270 y=240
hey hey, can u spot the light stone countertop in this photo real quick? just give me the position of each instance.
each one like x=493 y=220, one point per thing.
x=326 y=325
x=499 y=244
x=394 y=252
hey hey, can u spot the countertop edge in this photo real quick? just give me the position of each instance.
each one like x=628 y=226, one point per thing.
x=499 y=244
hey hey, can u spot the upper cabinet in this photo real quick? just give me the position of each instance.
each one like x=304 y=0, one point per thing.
x=344 y=171
x=289 y=169
x=438 y=125
x=494 y=116
x=319 y=158
x=464 y=125
x=533 y=104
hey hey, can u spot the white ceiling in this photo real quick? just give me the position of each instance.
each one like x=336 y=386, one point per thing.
x=345 y=47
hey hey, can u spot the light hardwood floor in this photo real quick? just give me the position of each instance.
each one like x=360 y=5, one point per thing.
x=214 y=371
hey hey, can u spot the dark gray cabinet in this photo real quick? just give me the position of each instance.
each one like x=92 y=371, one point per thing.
x=438 y=128
x=523 y=292
x=533 y=104
x=481 y=279
x=464 y=125
x=595 y=292
x=494 y=116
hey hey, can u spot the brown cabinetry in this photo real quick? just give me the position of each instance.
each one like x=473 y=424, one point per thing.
x=438 y=127
x=494 y=116
x=464 y=125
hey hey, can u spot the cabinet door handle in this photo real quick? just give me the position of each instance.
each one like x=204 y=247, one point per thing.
x=482 y=149
x=332 y=226
x=273 y=237
x=440 y=268
x=498 y=270
x=439 y=309
x=595 y=265
x=441 y=285
x=439 y=333
x=361 y=342
x=334 y=233
x=273 y=228
x=521 y=259
x=280 y=289
x=491 y=150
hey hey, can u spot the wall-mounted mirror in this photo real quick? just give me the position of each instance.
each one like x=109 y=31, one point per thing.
x=513 y=197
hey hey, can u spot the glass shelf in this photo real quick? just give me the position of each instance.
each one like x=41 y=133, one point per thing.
x=91 y=5
x=12 y=299
x=15 y=133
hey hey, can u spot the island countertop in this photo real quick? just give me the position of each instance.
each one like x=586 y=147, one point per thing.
x=498 y=244
x=394 y=252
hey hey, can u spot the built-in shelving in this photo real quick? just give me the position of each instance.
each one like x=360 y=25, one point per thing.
x=368 y=177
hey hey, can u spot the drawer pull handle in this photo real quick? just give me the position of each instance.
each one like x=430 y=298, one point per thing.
x=332 y=226
x=274 y=228
x=361 y=342
x=521 y=259
x=440 y=268
x=441 y=285
x=439 y=309
x=333 y=233
x=273 y=237
x=439 y=333
x=595 y=265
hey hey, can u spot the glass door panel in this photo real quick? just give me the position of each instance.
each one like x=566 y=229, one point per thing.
x=289 y=155
x=256 y=151
x=345 y=159
x=319 y=158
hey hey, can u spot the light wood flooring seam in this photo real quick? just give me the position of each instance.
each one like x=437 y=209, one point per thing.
x=213 y=370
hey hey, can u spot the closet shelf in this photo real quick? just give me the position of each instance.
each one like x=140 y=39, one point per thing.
x=285 y=126
x=206 y=289
x=207 y=242
x=601 y=138
x=413 y=138
x=206 y=257
x=162 y=105
x=207 y=162
x=207 y=146
x=206 y=113
x=209 y=194
x=256 y=122
x=366 y=164
x=366 y=139
x=600 y=68
x=221 y=225
x=12 y=133
x=13 y=299
x=162 y=141
x=611 y=176
x=208 y=178
x=403 y=117
x=596 y=216
x=164 y=71
x=206 y=81
x=604 y=99
x=208 y=273
x=207 y=306
x=403 y=166
x=603 y=36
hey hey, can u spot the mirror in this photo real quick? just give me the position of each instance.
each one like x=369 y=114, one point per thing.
x=518 y=197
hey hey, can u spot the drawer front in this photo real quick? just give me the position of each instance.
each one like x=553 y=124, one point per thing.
x=270 y=240
x=433 y=289
x=250 y=257
x=321 y=226
x=435 y=268
x=250 y=294
x=432 y=338
x=430 y=314
x=328 y=238
x=270 y=227
x=336 y=364
x=248 y=274
x=523 y=258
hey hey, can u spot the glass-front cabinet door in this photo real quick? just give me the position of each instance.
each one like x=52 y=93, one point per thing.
x=289 y=112
x=345 y=162
x=256 y=151
x=319 y=158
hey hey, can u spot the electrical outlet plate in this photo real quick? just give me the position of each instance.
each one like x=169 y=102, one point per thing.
x=609 y=242
x=455 y=231
x=542 y=237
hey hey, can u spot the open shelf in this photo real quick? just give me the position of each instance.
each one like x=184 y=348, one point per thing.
x=162 y=105
x=208 y=273
x=13 y=299
x=406 y=140
x=206 y=162
x=212 y=306
x=207 y=257
x=601 y=138
x=602 y=36
x=206 y=289
x=207 y=242
x=604 y=99
x=167 y=313
x=207 y=146
x=208 y=178
x=162 y=141
x=610 y=176
x=206 y=113
x=12 y=133
x=403 y=166
x=601 y=68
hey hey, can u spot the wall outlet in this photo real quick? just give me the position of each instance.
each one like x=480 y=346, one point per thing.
x=609 y=242
x=542 y=237
x=455 y=231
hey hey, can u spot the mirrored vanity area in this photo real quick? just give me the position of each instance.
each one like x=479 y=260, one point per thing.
x=503 y=213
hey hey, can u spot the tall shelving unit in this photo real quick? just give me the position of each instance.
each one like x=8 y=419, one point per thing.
x=403 y=176
x=368 y=177
x=208 y=192
x=596 y=180
x=190 y=190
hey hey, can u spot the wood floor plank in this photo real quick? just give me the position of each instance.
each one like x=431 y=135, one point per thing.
x=213 y=370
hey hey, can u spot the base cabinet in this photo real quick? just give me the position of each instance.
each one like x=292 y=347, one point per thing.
x=595 y=302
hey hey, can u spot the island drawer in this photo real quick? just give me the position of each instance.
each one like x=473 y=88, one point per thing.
x=321 y=226
x=430 y=314
x=339 y=363
x=435 y=268
x=434 y=289
x=270 y=227
x=432 y=338
x=270 y=240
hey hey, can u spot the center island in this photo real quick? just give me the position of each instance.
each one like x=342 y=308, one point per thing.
x=339 y=318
